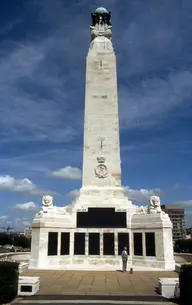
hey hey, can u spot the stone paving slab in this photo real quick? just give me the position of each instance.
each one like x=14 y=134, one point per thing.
x=106 y=283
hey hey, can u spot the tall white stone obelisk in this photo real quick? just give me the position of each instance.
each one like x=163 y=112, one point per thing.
x=62 y=237
x=101 y=154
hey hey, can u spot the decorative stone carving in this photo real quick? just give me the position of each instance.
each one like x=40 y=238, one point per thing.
x=101 y=25
x=103 y=17
x=154 y=205
x=101 y=159
x=101 y=170
x=47 y=201
x=47 y=207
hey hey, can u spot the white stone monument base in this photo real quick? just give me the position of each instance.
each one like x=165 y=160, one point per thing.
x=153 y=263
x=169 y=287
x=28 y=285
x=55 y=220
x=97 y=263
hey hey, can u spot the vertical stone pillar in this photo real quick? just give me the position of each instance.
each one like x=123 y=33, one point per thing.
x=86 y=243
x=101 y=243
x=143 y=244
x=71 y=248
x=59 y=244
x=116 y=243
x=131 y=244
x=131 y=249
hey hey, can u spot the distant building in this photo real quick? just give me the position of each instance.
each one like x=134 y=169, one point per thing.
x=177 y=216
x=27 y=232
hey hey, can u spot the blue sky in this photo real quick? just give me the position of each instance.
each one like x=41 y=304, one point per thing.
x=43 y=48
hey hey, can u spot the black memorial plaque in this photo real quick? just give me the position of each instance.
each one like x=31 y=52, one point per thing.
x=150 y=244
x=108 y=244
x=26 y=288
x=65 y=242
x=123 y=241
x=101 y=218
x=94 y=243
x=52 y=243
x=138 y=246
x=79 y=244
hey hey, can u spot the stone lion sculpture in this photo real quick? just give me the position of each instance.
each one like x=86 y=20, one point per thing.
x=47 y=201
x=48 y=207
x=154 y=205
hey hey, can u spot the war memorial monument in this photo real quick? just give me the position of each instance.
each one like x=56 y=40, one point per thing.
x=90 y=233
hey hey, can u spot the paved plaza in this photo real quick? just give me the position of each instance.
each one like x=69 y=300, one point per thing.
x=98 y=283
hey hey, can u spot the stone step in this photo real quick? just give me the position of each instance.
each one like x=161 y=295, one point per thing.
x=62 y=300
x=101 y=302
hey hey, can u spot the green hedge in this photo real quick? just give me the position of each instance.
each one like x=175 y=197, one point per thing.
x=185 y=283
x=9 y=274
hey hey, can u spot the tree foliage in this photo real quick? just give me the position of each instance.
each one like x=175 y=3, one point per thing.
x=183 y=245
x=15 y=239
x=9 y=273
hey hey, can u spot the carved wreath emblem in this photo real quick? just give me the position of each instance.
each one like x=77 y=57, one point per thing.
x=101 y=170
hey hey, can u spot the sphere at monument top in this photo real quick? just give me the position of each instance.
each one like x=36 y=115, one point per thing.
x=101 y=10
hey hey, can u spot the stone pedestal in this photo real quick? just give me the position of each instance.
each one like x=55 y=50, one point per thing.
x=160 y=225
x=169 y=288
x=149 y=242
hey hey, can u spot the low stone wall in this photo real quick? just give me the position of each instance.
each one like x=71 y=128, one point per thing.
x=16 y=256
x=181 y=258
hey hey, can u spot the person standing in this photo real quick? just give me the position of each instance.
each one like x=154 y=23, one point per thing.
x=124 y=256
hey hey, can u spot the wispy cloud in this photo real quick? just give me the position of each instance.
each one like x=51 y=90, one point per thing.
x=37 y=75
x=3 y=217
x=142 y=195
x=149 y=101
x=17 y=185
x=68 y=172
x=73 y=193
x=21 y=223
x=27 y=206
x=26 y=186
x=185 y=202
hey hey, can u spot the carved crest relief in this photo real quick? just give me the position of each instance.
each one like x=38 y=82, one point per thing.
x=101 y=170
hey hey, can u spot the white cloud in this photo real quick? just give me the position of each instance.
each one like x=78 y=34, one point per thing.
x=35 y=77
x=18 y=185
x=8 y=183
x=26 y=223
x=27 y=206
x=73 y=193
x=68 y=172
x=3 y=217
x=21 y=223
x=153 y=98
x=141 y=195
